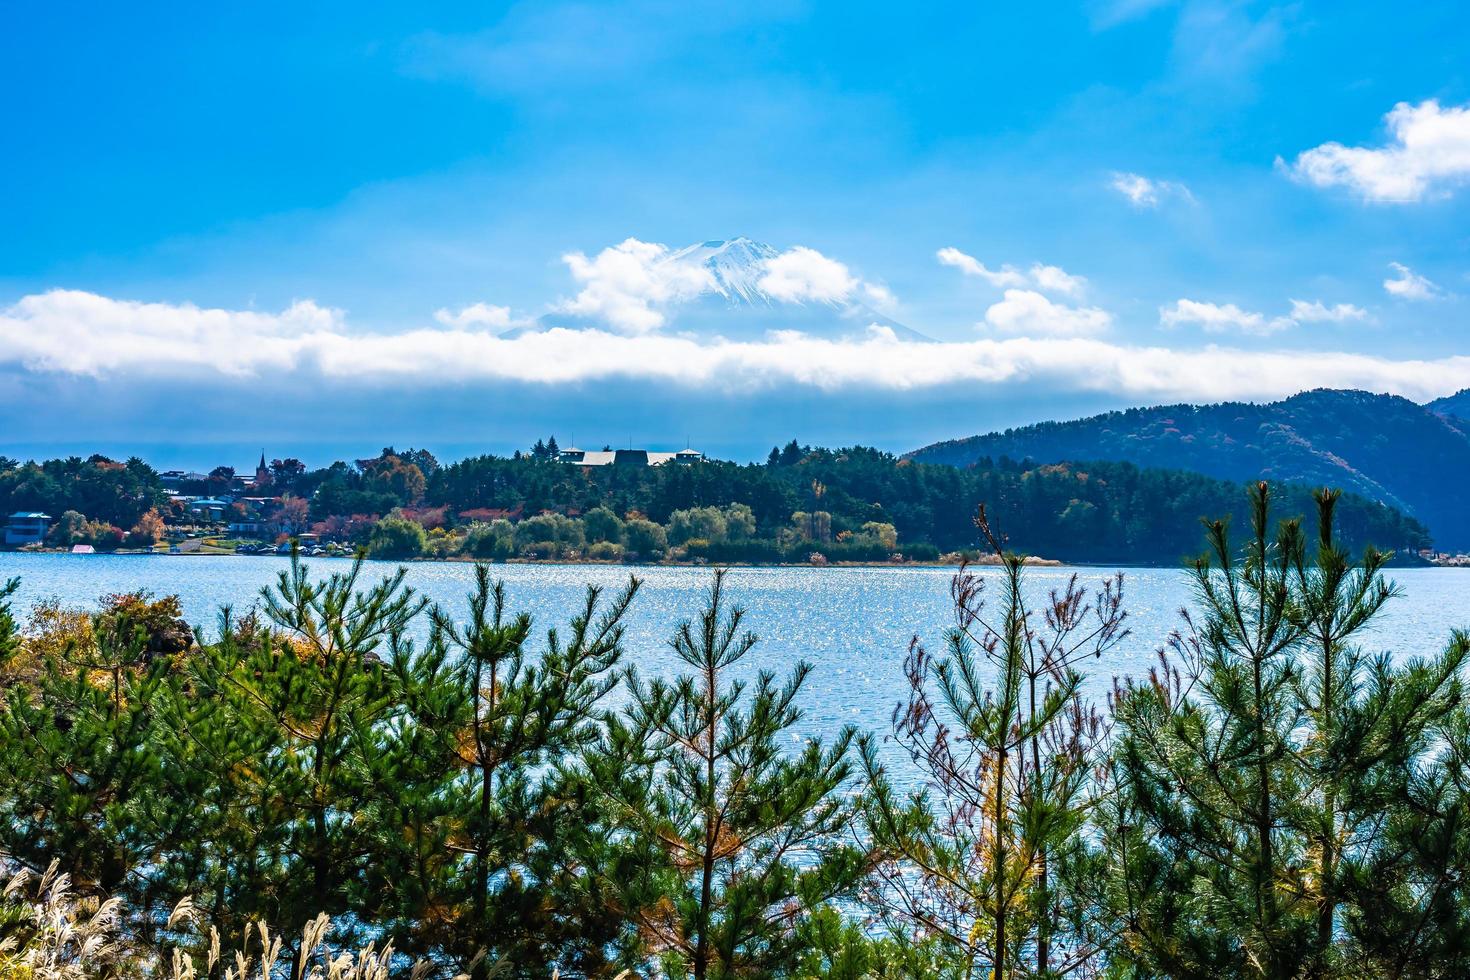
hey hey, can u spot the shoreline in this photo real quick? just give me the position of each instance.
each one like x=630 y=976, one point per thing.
x=984 y=561
x=988 y=561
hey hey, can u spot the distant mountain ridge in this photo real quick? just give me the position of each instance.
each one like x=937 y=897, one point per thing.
x=1386 y=448
x=1457 y=404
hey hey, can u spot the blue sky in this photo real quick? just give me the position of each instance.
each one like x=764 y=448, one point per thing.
x=228 y=225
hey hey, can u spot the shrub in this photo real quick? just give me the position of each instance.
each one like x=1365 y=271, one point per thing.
x=442 y=544
x=739 y=522
x=556 y=528
x=707 y=523
x=397 y=537
x=493 y=540
x=748 y=551
x=543 y=550
x=645 y=538
x=886 y=535
x=605 y=551
x=602 y=525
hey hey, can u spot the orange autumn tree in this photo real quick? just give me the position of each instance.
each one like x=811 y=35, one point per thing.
x=148 y=530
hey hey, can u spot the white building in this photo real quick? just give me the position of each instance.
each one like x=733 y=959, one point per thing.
x=628 y=457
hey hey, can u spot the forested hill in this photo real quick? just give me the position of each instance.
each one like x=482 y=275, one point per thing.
x=1383 y=447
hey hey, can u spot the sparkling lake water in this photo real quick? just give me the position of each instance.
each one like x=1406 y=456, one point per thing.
x=853 y=624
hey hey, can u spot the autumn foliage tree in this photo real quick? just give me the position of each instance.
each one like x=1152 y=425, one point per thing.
x=1005 y=745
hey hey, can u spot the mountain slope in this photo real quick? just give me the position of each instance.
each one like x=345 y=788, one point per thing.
x=1381 y=446
x=1457 y=404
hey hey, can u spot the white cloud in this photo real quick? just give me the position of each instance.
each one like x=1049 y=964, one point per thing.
x=1217 y=318
x=77 y=333
x=634 y=287
x=1055 y=279
x=627 y=284
x=1146 y=192
x=74 y=332
x=1428 y=154
x=800 y=274
x=1028 y=313
x=1052 y=278
x=1408 y=284
x=1318 y=312
x=475 y=315
x=1005 y=277
x=880 y=296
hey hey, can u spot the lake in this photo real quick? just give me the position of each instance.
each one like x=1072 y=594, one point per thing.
x=854 y=624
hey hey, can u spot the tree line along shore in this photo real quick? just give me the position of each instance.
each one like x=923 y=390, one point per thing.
x=801 y=505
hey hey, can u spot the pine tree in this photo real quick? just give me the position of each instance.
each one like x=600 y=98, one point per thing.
x=81 y=779
x=1212 y=884
x=1409 y=909
x=746 y=840
x=292 y=716
x=972 y=856
x=493 y=725
x=1373 y=728
x=1261 y=771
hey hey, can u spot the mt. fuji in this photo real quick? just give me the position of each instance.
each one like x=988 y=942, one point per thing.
x=743 y=290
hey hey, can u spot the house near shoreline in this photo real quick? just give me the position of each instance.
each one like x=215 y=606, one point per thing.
x=209 y=508
x=27 y=527
x=628 y=457
x=237 y=483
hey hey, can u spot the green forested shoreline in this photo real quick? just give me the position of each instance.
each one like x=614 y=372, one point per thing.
x=851 y=504
x=1275 y=799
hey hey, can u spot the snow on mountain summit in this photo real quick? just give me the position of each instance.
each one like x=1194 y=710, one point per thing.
x=736 y=266
x=732 y=289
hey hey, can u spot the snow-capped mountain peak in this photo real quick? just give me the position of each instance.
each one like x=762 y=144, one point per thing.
x=734 y=289
x=735 y=266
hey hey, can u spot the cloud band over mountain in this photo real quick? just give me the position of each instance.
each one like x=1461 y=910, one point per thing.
x=74 y=333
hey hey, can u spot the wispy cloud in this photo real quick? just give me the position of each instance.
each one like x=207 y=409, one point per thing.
x=1146 y=192
x=1004 y=277
x=1228 y=317
x=1051 y=278
x=1408 y=284
x=1427 y=155
x=1221 y=318
x=1318 y=312
x=1110 y=13
x=475 y=315
x=1223 y=44
x=78 y=333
